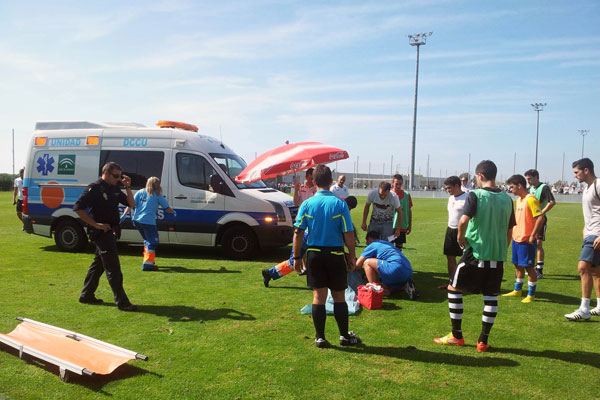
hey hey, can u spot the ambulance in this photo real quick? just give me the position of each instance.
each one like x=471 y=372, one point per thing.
x=196 y=173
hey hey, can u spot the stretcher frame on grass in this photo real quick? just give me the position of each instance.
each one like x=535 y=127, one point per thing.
x=66 y=366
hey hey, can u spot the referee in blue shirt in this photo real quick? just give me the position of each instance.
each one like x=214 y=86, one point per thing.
x=328 y=221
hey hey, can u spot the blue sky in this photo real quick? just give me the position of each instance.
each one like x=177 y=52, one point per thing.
x=340 y=72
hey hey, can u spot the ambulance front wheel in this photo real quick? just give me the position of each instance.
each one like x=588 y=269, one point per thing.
x=70 y=236
x=239 y=242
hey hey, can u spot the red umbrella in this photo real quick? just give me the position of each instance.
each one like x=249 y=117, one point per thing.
x=288 y=159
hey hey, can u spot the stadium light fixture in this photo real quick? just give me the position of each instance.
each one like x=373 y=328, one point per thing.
x=583 y=132
x=537 y=107
x=418 y=40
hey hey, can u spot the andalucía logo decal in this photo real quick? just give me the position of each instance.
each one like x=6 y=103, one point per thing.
x=66 y=164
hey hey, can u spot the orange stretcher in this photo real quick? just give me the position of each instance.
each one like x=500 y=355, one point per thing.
x=71 y=351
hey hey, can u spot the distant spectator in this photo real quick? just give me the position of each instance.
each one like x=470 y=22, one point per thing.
x=465 y=185
x=18 y=194
x=306 y=190
x=339 y=189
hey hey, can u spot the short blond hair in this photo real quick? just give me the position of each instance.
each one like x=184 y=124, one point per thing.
x=153 y=186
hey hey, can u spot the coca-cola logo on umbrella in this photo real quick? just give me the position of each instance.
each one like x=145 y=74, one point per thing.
x=298 y=164
x=337 y=156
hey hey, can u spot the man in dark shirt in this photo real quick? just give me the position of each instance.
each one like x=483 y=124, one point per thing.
x=102 y=199
x=543 y=193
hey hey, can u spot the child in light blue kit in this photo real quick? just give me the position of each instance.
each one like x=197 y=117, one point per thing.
x=147 y=202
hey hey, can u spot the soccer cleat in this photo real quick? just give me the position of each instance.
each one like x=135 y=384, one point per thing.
x=303 y=272
x=514 y=293
x=528 y=299
x=578 y=315
x=150 y=268
x=350 y=339
x=450 y=340
x=266 y=277
x=411 y=290
x=482 y=347
x=595 y=311
x=321 y=343
x=539 y=272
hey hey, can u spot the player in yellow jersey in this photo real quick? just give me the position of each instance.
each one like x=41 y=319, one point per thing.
x=530 y=220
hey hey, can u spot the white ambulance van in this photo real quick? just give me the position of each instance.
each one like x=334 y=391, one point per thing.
x=196 y=174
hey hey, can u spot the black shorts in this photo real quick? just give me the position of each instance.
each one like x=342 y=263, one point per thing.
x=542 y=233
x=19 y=205
x=475 y=276
x=326 y=267
x=451 y=247
x=400 y=240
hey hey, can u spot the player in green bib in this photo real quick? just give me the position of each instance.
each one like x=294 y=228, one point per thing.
x=543 y=193
x=484 y=231
x=405 y=222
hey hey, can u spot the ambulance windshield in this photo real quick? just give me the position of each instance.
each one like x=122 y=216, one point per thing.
x=233 y=165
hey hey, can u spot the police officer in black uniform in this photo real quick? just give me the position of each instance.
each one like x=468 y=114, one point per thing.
x=102 y=198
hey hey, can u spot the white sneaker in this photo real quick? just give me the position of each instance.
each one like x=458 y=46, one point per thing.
x=595 y=311
x=578 y=315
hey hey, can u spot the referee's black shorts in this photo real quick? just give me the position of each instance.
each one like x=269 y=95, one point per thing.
x=451 y=247
x=475 y=276
x=326 y=267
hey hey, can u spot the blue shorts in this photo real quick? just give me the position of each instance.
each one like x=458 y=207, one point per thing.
x=588 y=253
x=523 y=254
x=394 y=274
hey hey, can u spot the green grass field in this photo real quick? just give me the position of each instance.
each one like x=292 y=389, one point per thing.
x=212 y=330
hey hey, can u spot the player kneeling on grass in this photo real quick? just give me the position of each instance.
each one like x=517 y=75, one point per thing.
x=483 y=231
x=381 y=259
x=530 y=220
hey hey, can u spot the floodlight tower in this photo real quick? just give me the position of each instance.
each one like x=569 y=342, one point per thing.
x=583 y=132
x=417 y=40
x=537 y=107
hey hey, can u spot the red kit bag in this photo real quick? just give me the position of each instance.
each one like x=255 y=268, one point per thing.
x=370 y=296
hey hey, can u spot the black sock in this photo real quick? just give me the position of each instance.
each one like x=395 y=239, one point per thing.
x=455 y=305
x=340 y=311
x=540 y=265
x=319 y=317
x=490 y=310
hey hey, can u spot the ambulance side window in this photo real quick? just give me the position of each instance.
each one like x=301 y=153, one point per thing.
x=138 y=165
x=194 y=171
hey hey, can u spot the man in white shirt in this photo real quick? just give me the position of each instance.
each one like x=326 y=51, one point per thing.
x=589 y=260
x=465 y=185
x=18 y=194
x=456 y=205
x=339 y=189
x=385 y=204
x=306 y=190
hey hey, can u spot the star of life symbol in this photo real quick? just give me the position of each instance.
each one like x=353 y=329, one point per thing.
x=45 y=164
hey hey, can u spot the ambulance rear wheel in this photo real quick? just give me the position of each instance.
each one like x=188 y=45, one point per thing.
x=70 y=236
x=239 y=242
